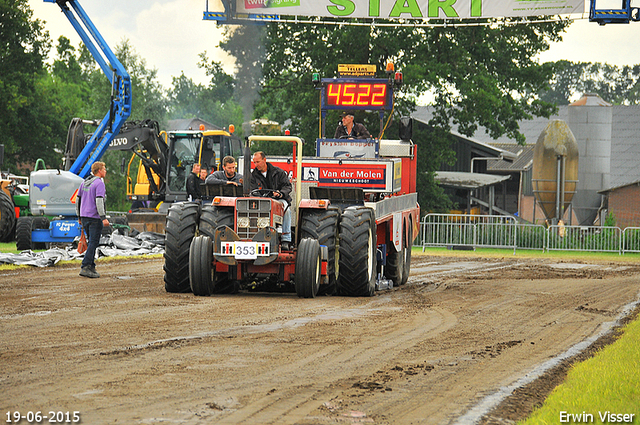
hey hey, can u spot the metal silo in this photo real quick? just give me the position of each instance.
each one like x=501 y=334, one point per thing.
x=555 y=169
x=590 y=120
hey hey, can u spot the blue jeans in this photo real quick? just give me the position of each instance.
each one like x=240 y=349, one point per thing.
x=286 y=221
x=92 y=231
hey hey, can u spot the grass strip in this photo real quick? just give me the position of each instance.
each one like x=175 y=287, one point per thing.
x=600 y=390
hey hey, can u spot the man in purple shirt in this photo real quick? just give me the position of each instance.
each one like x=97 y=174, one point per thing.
x=92 y=213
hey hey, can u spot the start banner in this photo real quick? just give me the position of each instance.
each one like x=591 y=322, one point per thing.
x=412 y=9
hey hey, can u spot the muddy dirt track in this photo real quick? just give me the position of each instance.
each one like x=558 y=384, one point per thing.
x=119 y=349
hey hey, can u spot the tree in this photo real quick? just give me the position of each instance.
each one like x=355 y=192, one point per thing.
x=25 y=121
x=214 y=103
x=81 y=84
x=617 y=85
x=477 y=75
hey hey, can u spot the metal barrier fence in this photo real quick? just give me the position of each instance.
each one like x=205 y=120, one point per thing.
x=461 y=230
x=631 y=239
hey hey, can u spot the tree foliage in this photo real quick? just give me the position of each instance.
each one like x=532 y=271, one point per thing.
x=617 y=85
x=26 y=120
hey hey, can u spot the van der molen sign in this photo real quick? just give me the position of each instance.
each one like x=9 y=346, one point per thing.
x=412 y=9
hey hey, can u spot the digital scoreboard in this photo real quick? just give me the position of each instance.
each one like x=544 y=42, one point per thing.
x=369 y=94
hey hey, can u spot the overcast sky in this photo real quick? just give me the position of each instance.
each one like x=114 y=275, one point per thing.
x=169 y=35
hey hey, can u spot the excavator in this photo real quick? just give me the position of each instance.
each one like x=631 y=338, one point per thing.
x=165 y=158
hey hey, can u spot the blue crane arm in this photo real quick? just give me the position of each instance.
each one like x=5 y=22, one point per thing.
x=120 y=108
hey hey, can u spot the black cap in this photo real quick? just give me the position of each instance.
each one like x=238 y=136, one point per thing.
x=352 y=113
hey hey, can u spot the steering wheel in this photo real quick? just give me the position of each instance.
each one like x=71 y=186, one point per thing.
x=264 y=193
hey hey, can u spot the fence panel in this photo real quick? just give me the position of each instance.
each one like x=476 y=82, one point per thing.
x=584 y=238
x=531 y=236
x=631 y=239
x=496 y=235
x=505 y=232
x=444 y=234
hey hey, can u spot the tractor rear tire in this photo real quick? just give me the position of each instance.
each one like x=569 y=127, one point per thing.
x=180 y=229
x=7 y=217
x=322 y=225
x=200 y=266
x=212 y=217
x=357 y=252
x=307 y=278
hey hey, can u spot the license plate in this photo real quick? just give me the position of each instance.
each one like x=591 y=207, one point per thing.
x=245 y=250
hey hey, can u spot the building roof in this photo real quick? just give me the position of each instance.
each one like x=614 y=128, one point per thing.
x=625 y=138
x=611 y=189
x=478 y=146
x=523 y=161
x=463 y=180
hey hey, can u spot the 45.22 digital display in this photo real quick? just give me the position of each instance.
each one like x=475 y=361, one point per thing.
x=357 y=95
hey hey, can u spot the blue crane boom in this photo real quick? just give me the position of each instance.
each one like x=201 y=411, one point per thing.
x=120 y=108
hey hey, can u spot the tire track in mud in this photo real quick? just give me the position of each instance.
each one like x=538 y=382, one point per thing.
x=285 y=404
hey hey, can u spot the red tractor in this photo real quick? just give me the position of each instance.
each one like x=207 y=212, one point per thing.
x=355 y=217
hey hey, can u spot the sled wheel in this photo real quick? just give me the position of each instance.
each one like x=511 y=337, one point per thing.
x=395 y=265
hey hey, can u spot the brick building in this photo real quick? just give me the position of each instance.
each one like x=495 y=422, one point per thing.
x=624 y=203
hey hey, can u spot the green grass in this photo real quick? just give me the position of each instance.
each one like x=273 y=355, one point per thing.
x=10 y=247
x=607 y=382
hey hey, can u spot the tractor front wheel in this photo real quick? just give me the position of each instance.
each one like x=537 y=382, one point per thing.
x=201 y=266
x=308 y=268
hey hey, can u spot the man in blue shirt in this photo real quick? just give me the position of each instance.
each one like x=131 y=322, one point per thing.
x=90 y=208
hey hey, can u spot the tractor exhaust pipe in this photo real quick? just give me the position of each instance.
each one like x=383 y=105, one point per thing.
x=246 y=172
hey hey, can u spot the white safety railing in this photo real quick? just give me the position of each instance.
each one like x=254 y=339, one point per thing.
x=584 y=238
x=460 y=230
x=631 y=239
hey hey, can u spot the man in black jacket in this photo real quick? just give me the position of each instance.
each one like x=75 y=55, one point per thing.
x=267 y=176
x=193 y=183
